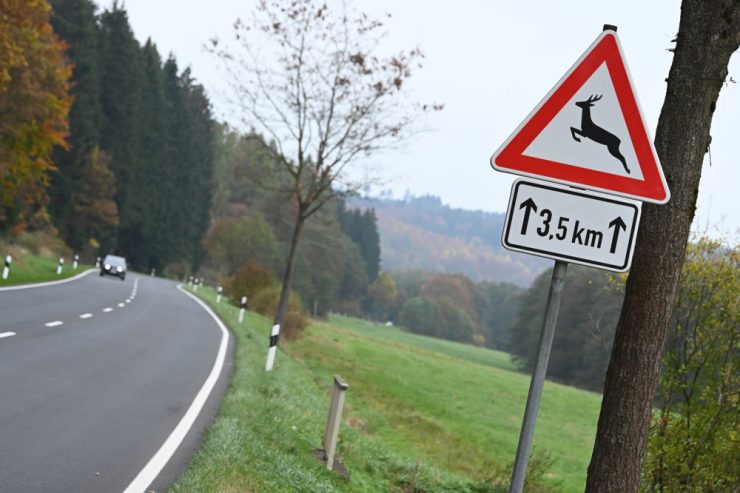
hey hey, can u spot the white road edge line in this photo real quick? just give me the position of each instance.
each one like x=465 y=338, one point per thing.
x=6 y=334
x=86 y=315
x=55 y=323
x=107 y=310
x=155 y=465
x=50 y=283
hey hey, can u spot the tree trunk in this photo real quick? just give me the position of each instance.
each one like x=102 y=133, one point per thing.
x=709 y=32
x=282 y=307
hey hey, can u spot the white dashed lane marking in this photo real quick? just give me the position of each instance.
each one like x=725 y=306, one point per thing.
x=86 y=315
x=3 y=335
x=121 y=305
x=107 y=310
x=55 y=323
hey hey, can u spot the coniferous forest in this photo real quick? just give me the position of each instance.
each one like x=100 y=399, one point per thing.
x=136 y=175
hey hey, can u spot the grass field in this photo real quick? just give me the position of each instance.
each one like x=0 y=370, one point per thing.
x=33 y=268
x=421 y=415
x=454 y=406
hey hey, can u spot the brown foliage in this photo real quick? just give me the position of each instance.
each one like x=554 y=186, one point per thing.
x=456 y=289
x=296 y=318
x=94 y=208
x=34 y=103
x=248 y=281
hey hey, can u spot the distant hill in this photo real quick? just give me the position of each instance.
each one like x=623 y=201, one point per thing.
x=422 y=233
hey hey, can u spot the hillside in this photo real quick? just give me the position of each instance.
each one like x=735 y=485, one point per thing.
x=422 y=233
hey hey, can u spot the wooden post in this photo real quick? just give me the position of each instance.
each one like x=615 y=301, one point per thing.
x=334 y=420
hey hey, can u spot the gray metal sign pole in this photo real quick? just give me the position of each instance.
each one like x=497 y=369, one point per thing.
x=538 y=377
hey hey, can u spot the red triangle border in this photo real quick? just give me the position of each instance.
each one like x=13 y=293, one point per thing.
x=510 y=158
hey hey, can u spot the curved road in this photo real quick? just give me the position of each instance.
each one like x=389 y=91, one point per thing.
x=95 y=375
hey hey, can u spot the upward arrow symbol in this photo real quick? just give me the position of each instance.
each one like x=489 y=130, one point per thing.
x=528 y=206
x=617 y=223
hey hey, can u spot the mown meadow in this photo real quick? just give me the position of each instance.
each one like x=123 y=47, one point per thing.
x=421 y=415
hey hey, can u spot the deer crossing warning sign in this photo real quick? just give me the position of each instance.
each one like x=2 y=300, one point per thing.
x=589 y=131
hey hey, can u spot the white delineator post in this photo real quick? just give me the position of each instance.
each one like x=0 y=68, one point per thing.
x=334 y=420
x=60 y=265
x=97 y=262
x=195 y=284
x=218 y=296
x=242 y=307
x=153 y=272
x=274 y=334
x=190 y=281
x=6 y=268
x=76 y=262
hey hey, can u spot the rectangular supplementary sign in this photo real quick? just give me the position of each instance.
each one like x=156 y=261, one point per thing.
x=571 y=225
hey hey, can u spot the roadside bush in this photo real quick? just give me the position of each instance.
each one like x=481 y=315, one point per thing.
x=249 y=280
x=296 y=319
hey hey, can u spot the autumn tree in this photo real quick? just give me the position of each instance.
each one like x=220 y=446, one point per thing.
x=382 y=295
x=708 y=35
x=94 y=214
x=693 y=445
x=310 y=78
x=34 y=103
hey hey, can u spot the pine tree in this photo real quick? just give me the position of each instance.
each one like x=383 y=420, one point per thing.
x=152 y=171
x=188 y=164
x=121 y=80
x=362 y=228
x=74 y=21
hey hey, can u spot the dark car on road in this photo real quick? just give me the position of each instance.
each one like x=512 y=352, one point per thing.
x=113 y=265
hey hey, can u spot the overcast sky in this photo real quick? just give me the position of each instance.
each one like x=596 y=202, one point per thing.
x=489 y=62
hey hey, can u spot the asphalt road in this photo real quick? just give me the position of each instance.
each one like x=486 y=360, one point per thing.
x=95 y=374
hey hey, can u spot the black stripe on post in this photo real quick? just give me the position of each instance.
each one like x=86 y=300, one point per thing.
x=7 y=262
x=273 y=340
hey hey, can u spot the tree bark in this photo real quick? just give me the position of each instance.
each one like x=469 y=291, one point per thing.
x=709 y=32
x=282 y=307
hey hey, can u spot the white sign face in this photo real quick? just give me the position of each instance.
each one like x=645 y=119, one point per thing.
x=571 y=225
x=566 y=139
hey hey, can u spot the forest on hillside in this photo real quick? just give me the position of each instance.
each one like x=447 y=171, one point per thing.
x=134 y=163
x=422 y=233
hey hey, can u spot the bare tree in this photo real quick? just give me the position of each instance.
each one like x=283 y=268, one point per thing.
x=709 y=33
x=308 y=76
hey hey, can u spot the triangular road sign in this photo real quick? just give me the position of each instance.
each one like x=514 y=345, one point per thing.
x=589 y=131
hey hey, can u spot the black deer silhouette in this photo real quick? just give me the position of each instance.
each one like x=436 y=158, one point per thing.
x=594 y=132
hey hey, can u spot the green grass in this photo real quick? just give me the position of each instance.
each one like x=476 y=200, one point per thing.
x=412 y=342
x=454 y=406
x=421 y=415
x=32 y=268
